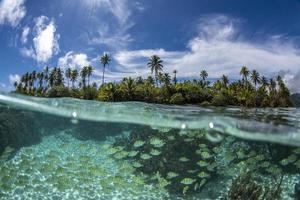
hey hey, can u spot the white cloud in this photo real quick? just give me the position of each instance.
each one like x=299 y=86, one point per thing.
x=14 y=78
x=24 y=36
x=292 y=80
x=45 y=41
x=12 y=12
x=118 y=40
x=118 y=8
x=216 y=50
x=111 y=27
x=73 y=60
x=134 y=63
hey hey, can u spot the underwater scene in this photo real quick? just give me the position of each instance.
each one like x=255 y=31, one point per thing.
x=74 y=149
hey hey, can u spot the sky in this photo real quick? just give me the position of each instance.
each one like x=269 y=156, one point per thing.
x=219 y=36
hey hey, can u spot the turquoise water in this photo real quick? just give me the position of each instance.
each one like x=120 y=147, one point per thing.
x=74 y=149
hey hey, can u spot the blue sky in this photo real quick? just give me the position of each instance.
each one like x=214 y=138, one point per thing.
x=217 y=35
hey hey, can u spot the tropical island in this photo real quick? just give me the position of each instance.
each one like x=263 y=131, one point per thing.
x=253 y=90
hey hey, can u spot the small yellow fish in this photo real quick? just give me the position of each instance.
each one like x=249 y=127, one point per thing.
x=187 y=181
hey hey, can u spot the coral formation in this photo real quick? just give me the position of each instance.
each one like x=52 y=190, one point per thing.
x=245 y=187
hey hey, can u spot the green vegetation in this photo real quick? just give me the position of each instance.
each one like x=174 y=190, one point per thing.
x=253 y=90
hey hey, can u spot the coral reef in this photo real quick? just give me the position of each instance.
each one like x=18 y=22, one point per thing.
x=245 y=187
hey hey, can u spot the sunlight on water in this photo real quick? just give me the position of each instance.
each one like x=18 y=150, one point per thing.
x=74 y=149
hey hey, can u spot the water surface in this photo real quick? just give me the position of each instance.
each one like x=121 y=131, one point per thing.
x=74 y=149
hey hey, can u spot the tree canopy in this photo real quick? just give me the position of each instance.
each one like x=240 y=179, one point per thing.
x=159 y=87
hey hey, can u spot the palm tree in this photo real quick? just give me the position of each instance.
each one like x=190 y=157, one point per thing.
x=264 y=81
x=245 y=73
x=74 y=76
x=150 y=80
x=46 y=74
x=30 y=83
x=40 y=76
x=59 y=77
x=52 y=77
x=16 y=84
x=203 y=75
x=68 y=75
x=90 y=71
x=218 y=85
x=26 y=80
x=111 y=91
x=175 y=76
x=105 y=59
x=139 y=80
x=279 y=78
x=129 y=87
x=33 y=77
x=166 y=79
x=23 y=80
x=156 y=66
x=94 y=85
x=83 y=74
x=272 y=86
x=160 y=78
x=255 y=77
x=224 y=80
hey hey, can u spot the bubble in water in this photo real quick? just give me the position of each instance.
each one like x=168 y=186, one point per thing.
x=211 y=125
x=183 y=129
x=74 y=114
x=74 y=120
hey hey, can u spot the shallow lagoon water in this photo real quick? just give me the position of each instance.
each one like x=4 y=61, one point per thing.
x=74 y=149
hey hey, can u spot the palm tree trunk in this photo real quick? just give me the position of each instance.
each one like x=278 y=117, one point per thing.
x=175 y=79
x=103 y=75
